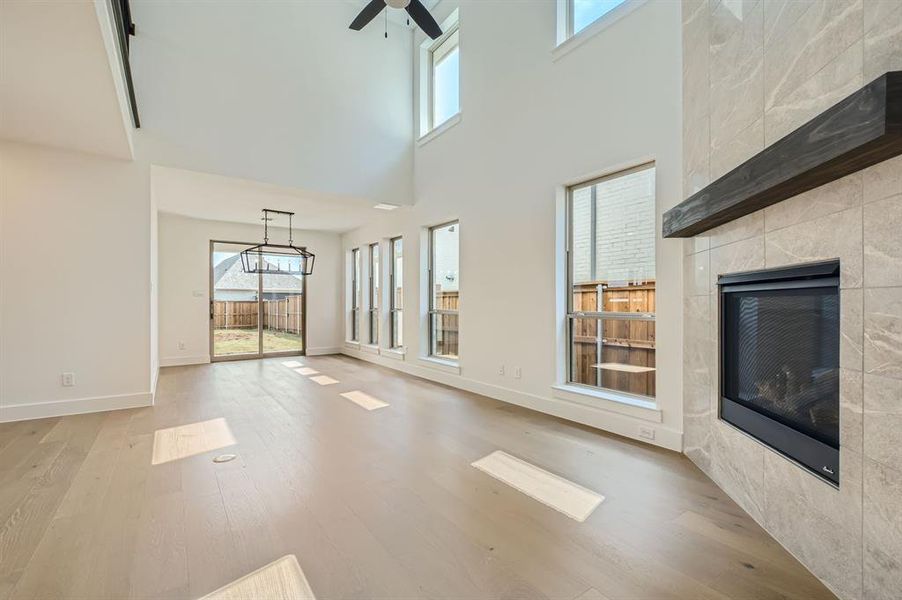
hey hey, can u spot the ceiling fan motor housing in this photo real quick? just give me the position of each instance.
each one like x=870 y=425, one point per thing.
x=398 y=3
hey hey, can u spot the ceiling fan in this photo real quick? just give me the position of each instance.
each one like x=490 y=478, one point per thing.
x=414 y=8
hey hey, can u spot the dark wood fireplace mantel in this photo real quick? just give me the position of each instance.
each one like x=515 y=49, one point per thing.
x=860 y=131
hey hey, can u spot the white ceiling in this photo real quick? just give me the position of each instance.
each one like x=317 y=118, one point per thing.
x=214 y=197
x=277 y=92
x=58 y=86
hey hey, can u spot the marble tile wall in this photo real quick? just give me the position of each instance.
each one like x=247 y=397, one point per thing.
x=754 y=70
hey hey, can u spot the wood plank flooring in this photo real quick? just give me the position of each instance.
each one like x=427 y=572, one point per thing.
x=374 y=504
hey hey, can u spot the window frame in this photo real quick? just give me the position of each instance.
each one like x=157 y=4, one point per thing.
x=374 y=258
x=571 y=315
x=433 y=63
x=428 y=128
x=430 y=278
x=395 y=341
x=567 y=39
x=355 y=294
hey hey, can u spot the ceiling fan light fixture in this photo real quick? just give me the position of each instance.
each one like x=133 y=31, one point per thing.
x=415 y=9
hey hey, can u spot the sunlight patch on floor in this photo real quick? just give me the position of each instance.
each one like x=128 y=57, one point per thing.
x=279 y=580
x=292 y=364
x=324 y=380
x=364 y=400
x=306 y=371
x=551 y=490
x=183 y=441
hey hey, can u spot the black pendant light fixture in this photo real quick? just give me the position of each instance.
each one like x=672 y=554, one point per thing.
x=277 y=259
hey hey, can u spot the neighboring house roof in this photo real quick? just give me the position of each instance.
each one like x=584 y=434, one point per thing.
x=229 y=275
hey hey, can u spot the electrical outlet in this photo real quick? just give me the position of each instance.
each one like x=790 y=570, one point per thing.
x=67 y=379
x=181 y=345
x=518 y=373
x=501 y=370
x=647 y=432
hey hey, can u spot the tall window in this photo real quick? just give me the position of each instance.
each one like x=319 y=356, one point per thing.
x=397 y=293
x=444 y=293
x=611 y=279
x=579 y=14
x=355 y=295
x=374 y=294
x=445 y=79
x=440 y=77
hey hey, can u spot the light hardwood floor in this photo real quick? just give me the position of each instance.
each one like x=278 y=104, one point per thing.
x=374 y=504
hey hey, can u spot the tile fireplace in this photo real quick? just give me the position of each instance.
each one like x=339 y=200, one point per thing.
x=779 y=361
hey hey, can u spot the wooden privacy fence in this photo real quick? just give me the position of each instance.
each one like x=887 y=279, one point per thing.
x=447 y=333
x=623 y=341
x=279 y=315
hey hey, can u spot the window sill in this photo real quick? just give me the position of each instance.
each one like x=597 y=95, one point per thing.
x=632 y=406
x=441 y=364
x=575 y=41
x=370 y=348
x=395 y=353
x=437 y=131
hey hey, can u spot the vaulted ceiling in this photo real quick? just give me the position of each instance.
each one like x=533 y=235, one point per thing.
x=58 y=81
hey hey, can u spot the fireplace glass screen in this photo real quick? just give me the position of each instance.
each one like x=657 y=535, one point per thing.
x=785 y=362
x=780 y=363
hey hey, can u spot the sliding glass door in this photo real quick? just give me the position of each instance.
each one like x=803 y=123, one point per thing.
x=253 y=314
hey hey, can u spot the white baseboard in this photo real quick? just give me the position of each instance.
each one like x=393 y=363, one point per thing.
x=598 y=418
x=323 y=351
x=61 y=408
x=181 y=361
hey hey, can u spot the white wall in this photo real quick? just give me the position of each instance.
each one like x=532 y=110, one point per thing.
x=184 y=264
x=74 y=239
x=277 y=92
x=530 y=125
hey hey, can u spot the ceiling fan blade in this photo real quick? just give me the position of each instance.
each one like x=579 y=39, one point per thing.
x=368 y=13
x=423 y=19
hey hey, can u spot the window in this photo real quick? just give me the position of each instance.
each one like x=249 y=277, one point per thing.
x=611 y=282
x=440 y=77
x=576 y=15
x=444 y=293
x=397 y=293
x=355 y=295
x=374 y=294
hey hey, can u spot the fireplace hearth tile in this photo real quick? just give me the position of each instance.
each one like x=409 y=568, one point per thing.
x=883 y=180
x=850 y=410
x=883 y=419
x=784 y=481
x=738 y=467
x=834 y=236
x=820 y=525
x=829 y=199
x=743 y=228
x=745 y=255
x=696 y=278
x=883 y=242
x=698 y=361
x=851 y=329
x=883 y=332
x=882 y=532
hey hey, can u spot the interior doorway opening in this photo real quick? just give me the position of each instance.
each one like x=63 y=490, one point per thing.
x=253 y=314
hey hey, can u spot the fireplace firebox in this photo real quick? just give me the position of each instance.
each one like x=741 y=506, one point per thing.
x=779 y=361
